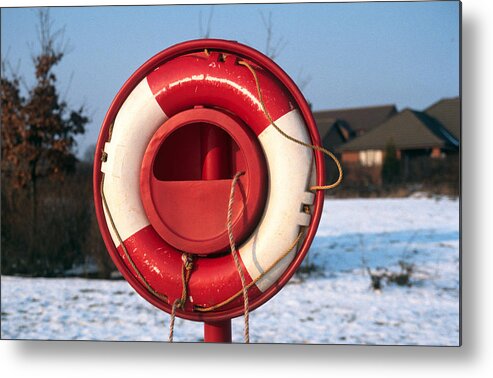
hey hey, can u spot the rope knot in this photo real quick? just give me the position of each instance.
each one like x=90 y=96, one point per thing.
x=187 y=261
x=179 y=303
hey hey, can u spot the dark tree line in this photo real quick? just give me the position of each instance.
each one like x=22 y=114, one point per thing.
x=47 y=215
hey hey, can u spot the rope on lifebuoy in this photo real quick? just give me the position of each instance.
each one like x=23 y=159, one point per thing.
x=232 y=244
x=125 y=251
x=244 y=290
x=186 y=271
x=312 y=146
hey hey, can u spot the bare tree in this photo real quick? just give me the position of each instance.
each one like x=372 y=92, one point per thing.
x=273 y=46
x=206 y=32
x=303 y=79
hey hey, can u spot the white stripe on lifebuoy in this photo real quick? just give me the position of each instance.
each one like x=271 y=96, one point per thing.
x=289 y=175
x=138 y=119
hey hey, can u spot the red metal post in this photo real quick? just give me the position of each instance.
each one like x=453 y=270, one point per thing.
x=216 y=153
x=217 y=332
x=216 y=165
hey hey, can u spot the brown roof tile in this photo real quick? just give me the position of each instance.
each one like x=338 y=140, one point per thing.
x=407 y=129
x=447 y=112
x=356 y=119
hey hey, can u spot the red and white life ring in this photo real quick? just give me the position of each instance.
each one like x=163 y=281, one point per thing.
x=180 y=89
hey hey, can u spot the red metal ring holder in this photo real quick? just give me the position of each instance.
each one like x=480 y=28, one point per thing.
x=229 y=146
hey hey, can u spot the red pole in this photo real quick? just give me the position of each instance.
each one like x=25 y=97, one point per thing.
x=216 y=165
x=216 y=153
x=217 y=332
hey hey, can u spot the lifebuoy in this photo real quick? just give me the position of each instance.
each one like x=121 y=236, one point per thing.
x=165 y=104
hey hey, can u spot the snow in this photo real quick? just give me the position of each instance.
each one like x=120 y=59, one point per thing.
x=334 y=305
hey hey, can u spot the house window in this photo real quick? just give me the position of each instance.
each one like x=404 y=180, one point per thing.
x=369 y=158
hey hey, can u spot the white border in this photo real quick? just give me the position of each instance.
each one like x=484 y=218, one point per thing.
x=89 y=359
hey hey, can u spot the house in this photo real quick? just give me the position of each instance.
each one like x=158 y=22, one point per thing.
x=412 y=133
x=351 y=122
x=339 y=126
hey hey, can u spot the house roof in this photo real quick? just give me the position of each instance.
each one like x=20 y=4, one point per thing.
x=407 y=129
x=356 y=119
x=447 y=112
x=324 y=125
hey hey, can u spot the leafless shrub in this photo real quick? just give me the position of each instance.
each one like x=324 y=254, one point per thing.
x=382 y=276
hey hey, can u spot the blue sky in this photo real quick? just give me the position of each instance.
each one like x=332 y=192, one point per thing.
x=357 y=54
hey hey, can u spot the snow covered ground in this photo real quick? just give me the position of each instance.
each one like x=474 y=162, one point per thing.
x=336 y=305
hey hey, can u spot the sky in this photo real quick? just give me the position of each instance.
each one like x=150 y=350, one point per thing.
x=356 y=54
